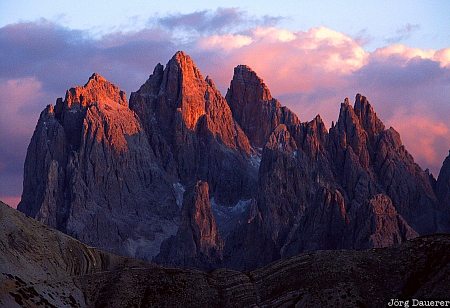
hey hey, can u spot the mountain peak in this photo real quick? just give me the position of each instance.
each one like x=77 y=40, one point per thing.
x=97 y=78
x=367 y=116
x=187 y=112
x=276 y=186
x=185 y=63
x=361 y=113
x=179 y=55
x=96 y=90
x=245 y=77
x=281 y=140
x=210 y=82
x=254 y=108
x=318 y=119
x=351 y=133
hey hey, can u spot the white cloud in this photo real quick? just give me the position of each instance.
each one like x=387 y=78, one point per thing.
x=224 y=42
x=398 y=50
x=273 y=34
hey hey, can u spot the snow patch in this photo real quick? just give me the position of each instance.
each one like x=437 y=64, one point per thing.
x=255 y=160
x=179 y=190
x=227 y=217
x=229 y=211
x=241 y=206
x=134 y=245
x=147 y=247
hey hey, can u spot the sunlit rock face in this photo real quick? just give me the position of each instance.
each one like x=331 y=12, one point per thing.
x=90 y=172
x=254 y=108
x=183 y=176
x=192 y=131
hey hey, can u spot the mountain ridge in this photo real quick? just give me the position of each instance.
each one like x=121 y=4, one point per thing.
x=42 y=266
x=278 y=186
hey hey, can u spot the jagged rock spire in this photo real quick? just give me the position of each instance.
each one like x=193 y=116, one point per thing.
x=197 y=242
x=367 y=116
x=254 y=108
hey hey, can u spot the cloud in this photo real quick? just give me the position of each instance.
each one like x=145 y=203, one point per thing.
x=274 y=34
x=427 y=137
x=12 y=201
x=20 y=102
x=404 y=54
x=314 y=58
x=403 y=33
x=225 y=42
x=219 y=21
x=58 y=56
x=310 y=71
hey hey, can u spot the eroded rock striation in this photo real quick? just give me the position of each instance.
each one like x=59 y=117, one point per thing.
x=43 y=267
x=187 y=177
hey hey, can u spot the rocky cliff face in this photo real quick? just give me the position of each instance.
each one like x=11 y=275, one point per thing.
x=375 y=160
x=254 y=108
x=443 y=182
x=197 y=242
x=339 y=189
x=90 y=172
x=192 y=128
x=206 y=181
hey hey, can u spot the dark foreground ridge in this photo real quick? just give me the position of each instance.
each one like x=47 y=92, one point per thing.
x=40 y=266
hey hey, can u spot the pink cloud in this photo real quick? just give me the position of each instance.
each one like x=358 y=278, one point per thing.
x=17 y=95
x=274 y=34
x=12 y=201
x=407 y=53
x=224 y=42
x=17 y=121
x=312 y=71
x=292 y=62
x=425 y=138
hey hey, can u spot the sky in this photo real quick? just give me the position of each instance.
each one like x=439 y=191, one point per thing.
x=311 y=54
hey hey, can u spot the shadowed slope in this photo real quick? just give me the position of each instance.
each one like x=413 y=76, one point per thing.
x=41 y=266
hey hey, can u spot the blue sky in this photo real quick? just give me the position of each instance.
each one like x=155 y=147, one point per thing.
x=422 y=24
